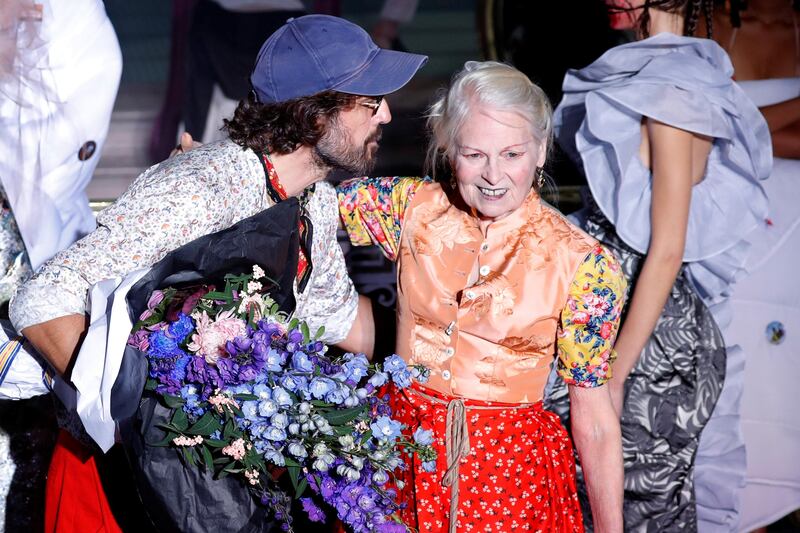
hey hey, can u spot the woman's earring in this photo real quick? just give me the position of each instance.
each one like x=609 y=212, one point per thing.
x=539 y=177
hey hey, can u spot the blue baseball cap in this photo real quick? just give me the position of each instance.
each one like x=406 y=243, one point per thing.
x=316 y=53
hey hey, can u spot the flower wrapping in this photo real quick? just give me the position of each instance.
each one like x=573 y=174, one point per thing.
x=252 y=394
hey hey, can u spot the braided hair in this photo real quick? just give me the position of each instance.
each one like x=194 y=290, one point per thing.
x=691 y=10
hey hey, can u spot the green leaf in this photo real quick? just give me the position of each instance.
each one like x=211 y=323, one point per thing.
x=301 y=488
x=216 y=443
x=216 y=295
x=221 y=461
x=291 y=463
x=173 y=402
x=294 y=475
x=207 y=425
x=208 y=459
x=245 y=397
x=293 y=323
x=366 y=437
x=229 y=431
x=180 y=420
x=189 y=456
x=306 y=333
x=340 y=417
x=320 y=332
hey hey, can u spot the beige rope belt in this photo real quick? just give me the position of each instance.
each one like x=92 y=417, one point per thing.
x=457 y=441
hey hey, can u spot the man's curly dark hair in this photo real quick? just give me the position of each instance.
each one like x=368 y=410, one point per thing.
x=281 y=128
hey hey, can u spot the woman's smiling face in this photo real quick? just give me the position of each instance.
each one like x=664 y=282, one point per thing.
x=495 y=161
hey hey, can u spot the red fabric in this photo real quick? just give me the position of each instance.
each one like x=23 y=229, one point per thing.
x=74 y=497
x=518 y=476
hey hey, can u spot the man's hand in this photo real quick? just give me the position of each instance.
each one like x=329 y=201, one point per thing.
x=187 y=144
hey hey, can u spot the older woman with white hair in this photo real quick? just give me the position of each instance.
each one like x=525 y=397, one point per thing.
x=493 y=286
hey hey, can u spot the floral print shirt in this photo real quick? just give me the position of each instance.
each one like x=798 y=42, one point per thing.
x=172 y=203
x=374 y=211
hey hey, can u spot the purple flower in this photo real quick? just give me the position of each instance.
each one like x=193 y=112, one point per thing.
x=247 y=373
x=139 y=340
x=156 y=298
x=315 y=514
x=227 y=369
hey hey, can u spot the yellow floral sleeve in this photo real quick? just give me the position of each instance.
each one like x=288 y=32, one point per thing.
x=373 y=210
x=590 y=320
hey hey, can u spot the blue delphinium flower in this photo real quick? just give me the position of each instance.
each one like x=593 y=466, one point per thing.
x=338 y=394
x=394 y=363
x=301 y=362
x=267 y=408
x=161 y=345
x=181 y=328
x=250 y=410
x=429 y=466
x=384 y=428
x=178 y=372
x=402 y=378
x=378 y=379
x=423 y=437
x=275 y=360
x=282 y=397
x=320 y=386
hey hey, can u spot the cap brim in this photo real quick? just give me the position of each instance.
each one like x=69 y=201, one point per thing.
x=388 y=71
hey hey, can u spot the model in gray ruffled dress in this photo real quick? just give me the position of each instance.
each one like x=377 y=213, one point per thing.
x=685 y=372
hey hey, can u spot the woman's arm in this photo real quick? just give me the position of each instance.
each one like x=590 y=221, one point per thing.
x=587 y=329
x=671 y=165
x=596 y=432
x=780 y=115
x=786 y=141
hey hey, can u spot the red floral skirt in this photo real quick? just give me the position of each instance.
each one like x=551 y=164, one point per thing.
x=517 y=472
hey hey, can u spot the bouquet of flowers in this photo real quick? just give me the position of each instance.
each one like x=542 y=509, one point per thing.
x=254 y=394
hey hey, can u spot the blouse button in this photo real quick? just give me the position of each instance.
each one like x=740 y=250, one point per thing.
x=445 y=374
x=485 y=247
x=470 y=295
x=450 y=351
x=485 y=270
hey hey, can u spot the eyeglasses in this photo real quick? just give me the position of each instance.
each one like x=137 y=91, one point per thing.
x=373 y=104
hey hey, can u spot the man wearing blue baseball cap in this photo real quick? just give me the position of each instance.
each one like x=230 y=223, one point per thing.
x=317 y=105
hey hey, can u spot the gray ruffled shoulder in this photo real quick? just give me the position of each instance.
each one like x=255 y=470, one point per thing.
x=686 y=83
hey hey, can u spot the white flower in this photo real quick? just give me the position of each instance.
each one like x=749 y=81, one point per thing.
x=253 y=287
x=258 y=272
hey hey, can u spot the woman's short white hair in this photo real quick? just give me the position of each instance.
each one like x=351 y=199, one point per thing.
x=489 y=83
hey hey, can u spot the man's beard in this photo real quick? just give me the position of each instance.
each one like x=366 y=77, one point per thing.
x=335 y=151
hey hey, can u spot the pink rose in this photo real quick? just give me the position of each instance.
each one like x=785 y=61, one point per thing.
x=605 y=330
